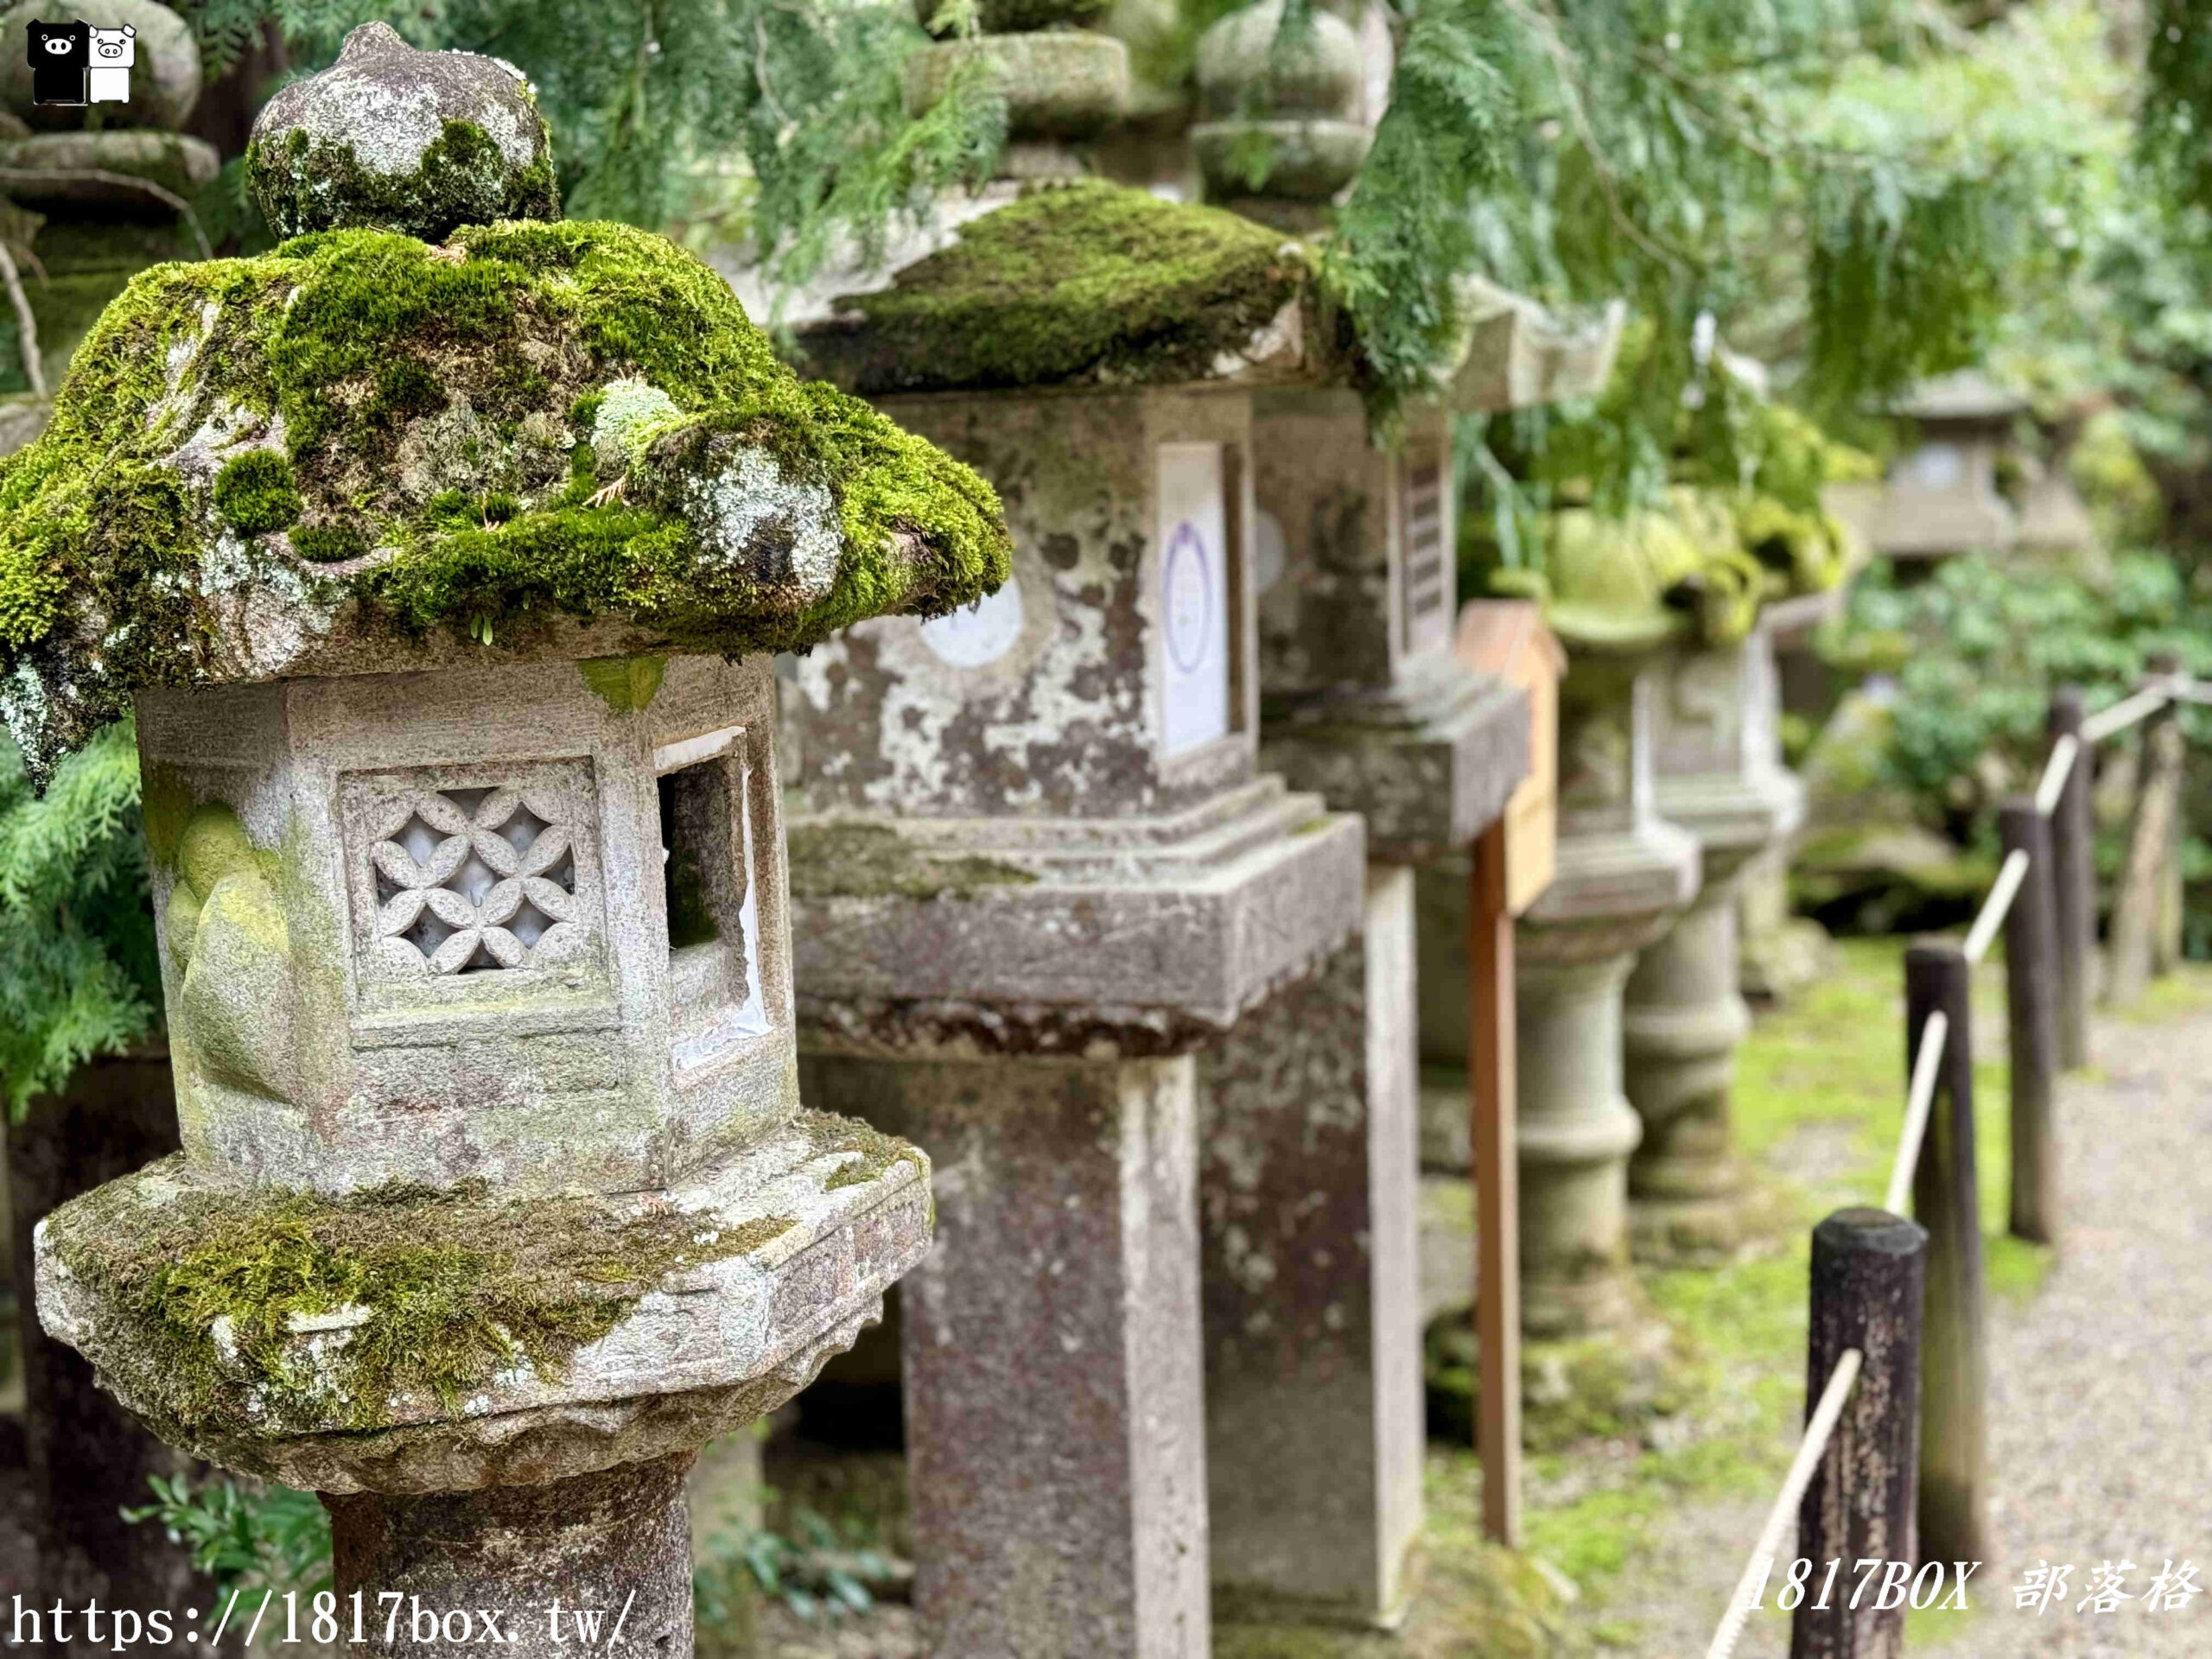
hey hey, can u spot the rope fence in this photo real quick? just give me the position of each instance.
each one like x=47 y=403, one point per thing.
x=1818 y=1433
x=1994 y=907
x=1867 y=1264
x=1919 y=1097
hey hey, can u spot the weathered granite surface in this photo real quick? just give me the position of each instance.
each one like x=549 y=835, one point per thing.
x=513 y=1566
x=1051 y=1342
x=395 y=139
x=1306 y=1192
x=490 y=990
x=1361 y=700
x=1006 y=833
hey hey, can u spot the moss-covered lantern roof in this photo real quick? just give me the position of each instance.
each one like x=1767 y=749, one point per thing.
x=363 y=451
x=403 y=439
x=1082 y=283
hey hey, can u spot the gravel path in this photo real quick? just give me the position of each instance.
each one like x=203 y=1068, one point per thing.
x=2101 y=1407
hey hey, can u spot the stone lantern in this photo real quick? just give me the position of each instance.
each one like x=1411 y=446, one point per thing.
x=1314 y=1412
x=1055 y=802
x=1615 y=594
x=1944 y=496
x=441 y=563
x=1717 y=771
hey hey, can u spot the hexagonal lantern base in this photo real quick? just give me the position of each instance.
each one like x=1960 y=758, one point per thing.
x=691 y=1311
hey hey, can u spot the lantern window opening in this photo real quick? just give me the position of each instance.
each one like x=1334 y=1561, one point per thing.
x=710 y=884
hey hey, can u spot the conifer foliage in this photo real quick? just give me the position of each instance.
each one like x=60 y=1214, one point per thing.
x=78 y=974
x=1855 y=159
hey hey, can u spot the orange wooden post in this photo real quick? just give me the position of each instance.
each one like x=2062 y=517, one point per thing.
x=1513 y=864
x=1497 y=1223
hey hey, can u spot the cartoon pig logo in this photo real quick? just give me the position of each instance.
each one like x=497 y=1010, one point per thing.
x=114 y=52
x=60 y=57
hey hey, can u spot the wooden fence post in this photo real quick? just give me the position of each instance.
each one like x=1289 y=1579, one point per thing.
x=2073 y=881
x=2032 y=1024
x=2139 y=905
x=2166 y=933
x=1954 y=1499
x=1498 y=1219
x=1869 y=1274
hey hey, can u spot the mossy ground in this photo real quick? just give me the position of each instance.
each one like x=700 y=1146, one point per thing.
x=1819 y=1103
x=1472 y=1597
x=423 y=399
x=456 y=1286
x=1085 y=281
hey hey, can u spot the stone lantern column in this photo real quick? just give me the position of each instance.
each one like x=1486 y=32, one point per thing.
x=1054 y=801
x=1314 y=1411
x=1719 y=777
x=1778 y=954
x=439 y=559
x=1624 y=873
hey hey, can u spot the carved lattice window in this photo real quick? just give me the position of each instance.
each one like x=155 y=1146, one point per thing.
x=474 y=880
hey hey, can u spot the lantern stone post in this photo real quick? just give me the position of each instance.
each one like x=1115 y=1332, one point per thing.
x=439 y=561
x=1055 y=801
x=1314 y=1412
x=1719 y=776
x=1778 y=953
x=1623 y=873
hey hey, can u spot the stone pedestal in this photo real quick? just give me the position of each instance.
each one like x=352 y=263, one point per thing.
x=1054 y=1404
x=1314 y=1404
x=1720 y=778
x=1313 y=1319
x=1624 y=874
x=1778 y=952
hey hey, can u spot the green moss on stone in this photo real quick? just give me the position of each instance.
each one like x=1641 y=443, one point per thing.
x=1085 y=281
x=878 y=1152
x=165 y=805
x=206 y=1292
x=256 y=492
x=300 y=179
x=330 y=544
x=398 y=378
x=848 y=859
x=625 y=684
